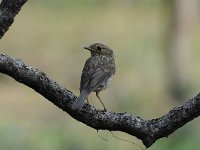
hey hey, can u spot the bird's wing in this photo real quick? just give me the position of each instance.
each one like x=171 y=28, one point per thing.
x=98 y=78
x=95 y=73
x=86 y=73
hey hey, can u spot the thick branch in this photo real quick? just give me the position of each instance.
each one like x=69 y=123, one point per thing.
x=8 y=10
x=146 y=130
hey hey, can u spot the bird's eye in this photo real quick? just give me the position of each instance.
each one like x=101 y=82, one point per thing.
x=99 y=48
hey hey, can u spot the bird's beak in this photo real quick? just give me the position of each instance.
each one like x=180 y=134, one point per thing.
x=87 y=48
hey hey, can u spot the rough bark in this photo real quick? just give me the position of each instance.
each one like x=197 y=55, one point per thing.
x=8 y=10
x=147 y=130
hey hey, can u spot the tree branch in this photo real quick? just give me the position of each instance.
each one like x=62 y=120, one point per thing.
x=8 y=10
x=147 y=130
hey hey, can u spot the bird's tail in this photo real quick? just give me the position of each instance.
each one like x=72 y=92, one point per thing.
x=78 y=104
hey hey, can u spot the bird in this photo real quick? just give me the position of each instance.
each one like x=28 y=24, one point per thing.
x=97 y=73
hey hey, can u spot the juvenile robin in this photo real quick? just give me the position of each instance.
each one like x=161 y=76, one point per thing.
x=97 y=73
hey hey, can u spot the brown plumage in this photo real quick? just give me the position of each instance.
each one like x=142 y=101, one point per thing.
x=97 y=73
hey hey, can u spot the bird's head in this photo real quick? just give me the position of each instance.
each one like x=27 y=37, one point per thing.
x=99 y=49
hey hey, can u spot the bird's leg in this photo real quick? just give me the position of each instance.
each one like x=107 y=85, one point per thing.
x=97 y=94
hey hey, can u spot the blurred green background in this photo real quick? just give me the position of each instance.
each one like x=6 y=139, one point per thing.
x=156 y=44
